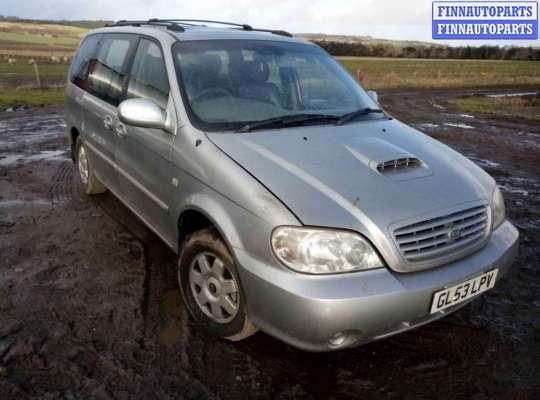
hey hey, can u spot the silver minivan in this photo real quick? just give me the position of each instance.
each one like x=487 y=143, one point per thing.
x=295 y=203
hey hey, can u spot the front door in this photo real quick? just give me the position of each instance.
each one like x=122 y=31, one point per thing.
x=143 y=155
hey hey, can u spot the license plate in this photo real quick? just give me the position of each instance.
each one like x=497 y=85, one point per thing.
x=462 y=291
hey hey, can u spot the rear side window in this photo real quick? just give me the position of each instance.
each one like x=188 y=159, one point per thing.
x=148 y=77
x=107 y=71
x=78 y=73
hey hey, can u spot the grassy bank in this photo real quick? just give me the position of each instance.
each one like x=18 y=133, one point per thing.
x=39 y=39
x=47 y=34
x=398 y=73
x=30 y=98
x=519 y=108
x=19 y=79
x=27 y=71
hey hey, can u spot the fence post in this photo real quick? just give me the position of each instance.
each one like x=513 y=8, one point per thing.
x=360 y=77
x=36 y=69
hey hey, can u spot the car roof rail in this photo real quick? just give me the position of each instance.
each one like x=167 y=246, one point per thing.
x=179 y=24
x=275 y=32
x=245 y=27
x=170 y=25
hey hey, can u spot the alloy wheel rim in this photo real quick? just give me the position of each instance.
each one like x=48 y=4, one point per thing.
x=83 y=165
x=214 y=287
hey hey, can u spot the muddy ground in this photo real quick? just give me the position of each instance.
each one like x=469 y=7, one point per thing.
x=89 y=306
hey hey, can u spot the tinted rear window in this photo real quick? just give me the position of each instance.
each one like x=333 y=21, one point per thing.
x=78 y=73
x=107 y=71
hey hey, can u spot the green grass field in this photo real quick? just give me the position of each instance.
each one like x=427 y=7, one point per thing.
x=518 y=108
x=40 y=34
x=31 y=98
x=39 y=39
x=398 y=73
x=21 y=78
x=27 y=70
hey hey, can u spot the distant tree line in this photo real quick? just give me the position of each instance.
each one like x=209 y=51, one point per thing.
x=337 y=48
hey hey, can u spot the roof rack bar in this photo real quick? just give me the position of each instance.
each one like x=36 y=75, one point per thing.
x=179 y=24
x=170 y=25
x=275 y=32
x=245 y=27
x=172 y=21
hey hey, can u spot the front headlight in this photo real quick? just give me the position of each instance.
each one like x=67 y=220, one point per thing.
x=497 y=207
x=323 y=251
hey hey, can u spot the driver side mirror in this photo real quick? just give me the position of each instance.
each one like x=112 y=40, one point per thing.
x=142 y=113
x=373 y=96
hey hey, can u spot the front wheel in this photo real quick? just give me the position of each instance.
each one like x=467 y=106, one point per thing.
x=211 y=286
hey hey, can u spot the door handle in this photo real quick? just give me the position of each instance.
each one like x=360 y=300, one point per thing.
x=107 y=122
x=120 y=130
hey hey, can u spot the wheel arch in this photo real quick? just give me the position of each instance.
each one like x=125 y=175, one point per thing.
x=194 y=217
x=190 y=221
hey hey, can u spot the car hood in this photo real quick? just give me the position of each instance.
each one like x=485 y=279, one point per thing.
x=328 y=175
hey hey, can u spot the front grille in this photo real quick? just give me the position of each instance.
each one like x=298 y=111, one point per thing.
x=441 y=236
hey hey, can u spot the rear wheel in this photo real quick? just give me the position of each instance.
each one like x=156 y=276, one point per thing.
x=85 y=167
x=211 y=286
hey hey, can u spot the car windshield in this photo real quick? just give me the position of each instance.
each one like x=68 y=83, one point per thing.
x=229 y=84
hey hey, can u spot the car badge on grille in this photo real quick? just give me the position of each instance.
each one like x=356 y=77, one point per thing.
x=455 y=234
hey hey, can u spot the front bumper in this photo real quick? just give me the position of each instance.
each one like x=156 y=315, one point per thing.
x=306 y=310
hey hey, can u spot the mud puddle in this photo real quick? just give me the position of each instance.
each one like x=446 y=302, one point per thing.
x=19 y=158
x=486 y=164
x=456 y=125
x=89 y=306
x=513 y=94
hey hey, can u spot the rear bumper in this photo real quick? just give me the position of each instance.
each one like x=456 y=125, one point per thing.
x=306 y=310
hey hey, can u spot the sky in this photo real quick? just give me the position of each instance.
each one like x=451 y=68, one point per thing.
x=390 y=19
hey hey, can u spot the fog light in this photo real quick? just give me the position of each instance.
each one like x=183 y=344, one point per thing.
x=338 y=339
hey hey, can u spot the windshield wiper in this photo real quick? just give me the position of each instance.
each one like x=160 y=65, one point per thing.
x=357 y=114
x=289 y=120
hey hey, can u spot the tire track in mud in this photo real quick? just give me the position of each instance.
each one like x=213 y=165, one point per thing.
x=170 y=332
x=111 y=206
x=175 y=344
x=66 y=190
x=165 y=320
x=159 y=261
x=62 y=184
x=159 y=274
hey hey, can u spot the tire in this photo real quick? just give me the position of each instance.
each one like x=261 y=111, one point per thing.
x=211 y=290
x=85 y=168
